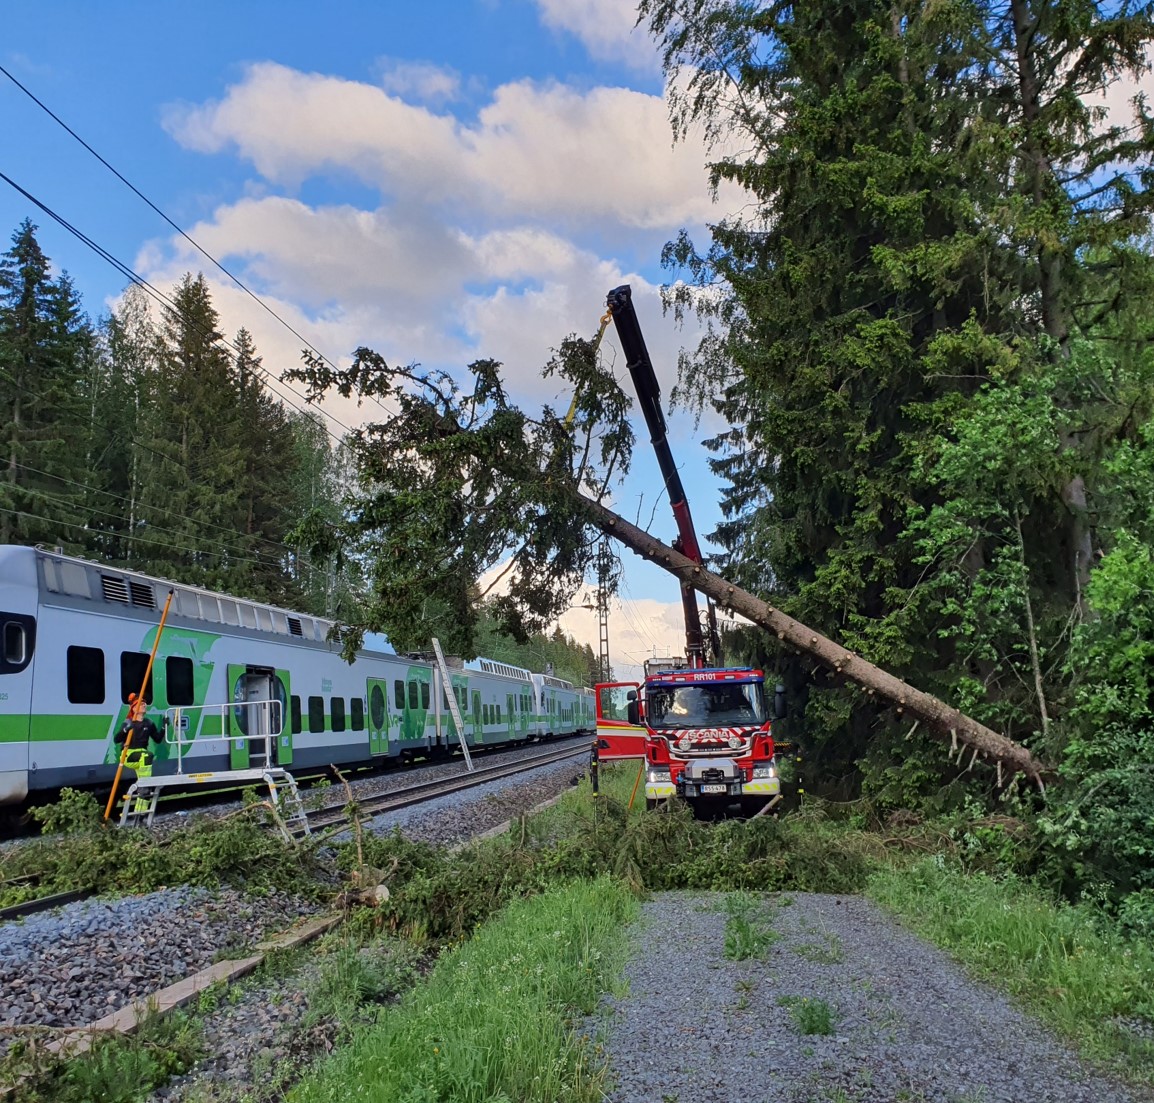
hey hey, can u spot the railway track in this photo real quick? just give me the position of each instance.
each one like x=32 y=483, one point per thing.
x=336 y=814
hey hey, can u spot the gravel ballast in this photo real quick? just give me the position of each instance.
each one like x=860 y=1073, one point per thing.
x=72 y=965
x=908 y=1024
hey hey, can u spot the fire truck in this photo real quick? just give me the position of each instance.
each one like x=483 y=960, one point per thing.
x=705 y=731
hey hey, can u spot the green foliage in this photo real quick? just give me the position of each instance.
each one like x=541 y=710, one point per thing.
x=72 y=813
x=492 y=1022
x=459 y=480
x=1101 y=823
x=810 y=1014
x=1083 y=976
x=926 y=330
x=444 y=896
x=120 y=1068
x=206 y=851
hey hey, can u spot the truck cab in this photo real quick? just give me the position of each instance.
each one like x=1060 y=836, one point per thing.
x=707 y=736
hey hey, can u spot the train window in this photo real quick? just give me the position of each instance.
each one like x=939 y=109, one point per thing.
x=18 y=642
x=414 y=699
x=86 y=676
x=316 y=714
x=178 y=680
x=357 y=720
x=14 y=643
x=498 y=714
x=133 y=664
x=399 y=695
x=424 y=695
x=377 y=708
x=486 y=714
x=337 y=705
x=295 y=714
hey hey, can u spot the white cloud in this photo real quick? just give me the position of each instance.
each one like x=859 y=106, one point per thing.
x=419 y=80
x=606 y=28
x=599 y=157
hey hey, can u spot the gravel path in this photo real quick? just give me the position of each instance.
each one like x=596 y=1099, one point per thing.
x=908 y=1024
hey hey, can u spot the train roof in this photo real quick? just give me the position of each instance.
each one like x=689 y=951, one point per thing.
x=495 y=666
x=119 y=587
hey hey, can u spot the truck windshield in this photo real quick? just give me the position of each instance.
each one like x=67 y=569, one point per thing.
x=719 y=704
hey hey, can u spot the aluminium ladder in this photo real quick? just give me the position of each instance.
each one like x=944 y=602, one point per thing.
x=451 y=700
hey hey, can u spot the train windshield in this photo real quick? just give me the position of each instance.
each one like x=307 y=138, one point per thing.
x=706 y=705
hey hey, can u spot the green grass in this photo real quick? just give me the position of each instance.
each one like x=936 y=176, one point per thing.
x=810 y=1014
x=1068 y=967
x=117 y=1069
x=493 y=1022
x=746 y=933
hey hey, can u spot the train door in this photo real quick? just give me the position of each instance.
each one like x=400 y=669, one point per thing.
x=511 y=719
x=257 y=717
x=378 y=694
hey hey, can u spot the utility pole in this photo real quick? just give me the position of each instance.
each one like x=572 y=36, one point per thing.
x=603 y=564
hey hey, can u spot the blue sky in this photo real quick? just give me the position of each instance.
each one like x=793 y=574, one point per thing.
x=441 y=182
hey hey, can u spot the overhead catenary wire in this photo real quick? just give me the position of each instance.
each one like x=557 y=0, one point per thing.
x=155 y=508
x=180 y=230
x=121 y=535
x=161 y=297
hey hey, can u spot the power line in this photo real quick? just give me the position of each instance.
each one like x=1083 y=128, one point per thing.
x=187 y=237
x=121 y=536
x=153 y=508
x=140 y=281
x=79 y=508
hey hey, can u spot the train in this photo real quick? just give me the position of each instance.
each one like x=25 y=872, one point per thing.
x=232 y=681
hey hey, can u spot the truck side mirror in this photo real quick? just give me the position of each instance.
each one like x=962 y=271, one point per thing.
x=779 y=702
x=633 y=711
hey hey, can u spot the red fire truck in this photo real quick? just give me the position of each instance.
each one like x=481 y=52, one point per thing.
x=705 y=732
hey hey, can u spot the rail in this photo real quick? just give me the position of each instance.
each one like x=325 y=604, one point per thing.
x=369 y=807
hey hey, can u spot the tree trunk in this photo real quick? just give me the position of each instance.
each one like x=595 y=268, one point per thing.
x=938 y=717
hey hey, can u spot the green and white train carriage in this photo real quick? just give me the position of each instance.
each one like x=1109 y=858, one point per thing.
x=231 y=677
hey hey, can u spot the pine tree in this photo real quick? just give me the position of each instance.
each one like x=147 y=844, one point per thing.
x=46 y=343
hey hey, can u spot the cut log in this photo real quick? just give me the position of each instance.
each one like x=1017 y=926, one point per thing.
x=938 y=717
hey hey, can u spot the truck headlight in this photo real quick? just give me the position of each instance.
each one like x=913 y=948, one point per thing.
x=764 y=771
x=656 y=774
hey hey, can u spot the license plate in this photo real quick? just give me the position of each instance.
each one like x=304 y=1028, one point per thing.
x=713 y=788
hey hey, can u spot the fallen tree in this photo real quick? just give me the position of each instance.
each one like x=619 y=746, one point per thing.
x=962 y=731
x=453 y=482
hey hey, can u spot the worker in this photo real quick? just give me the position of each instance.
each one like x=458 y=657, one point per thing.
x=137 y=756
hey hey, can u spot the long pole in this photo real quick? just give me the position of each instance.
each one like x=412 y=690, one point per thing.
x=136 y=709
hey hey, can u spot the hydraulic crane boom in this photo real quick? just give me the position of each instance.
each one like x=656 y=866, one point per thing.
x=620 y=303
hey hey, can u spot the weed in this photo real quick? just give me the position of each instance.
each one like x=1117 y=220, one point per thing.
x=827 y=952
x=746 y=935
x=810 y=1014
x=117 y=1069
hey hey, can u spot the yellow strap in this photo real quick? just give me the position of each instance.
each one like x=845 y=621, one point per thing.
x=606 y=318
